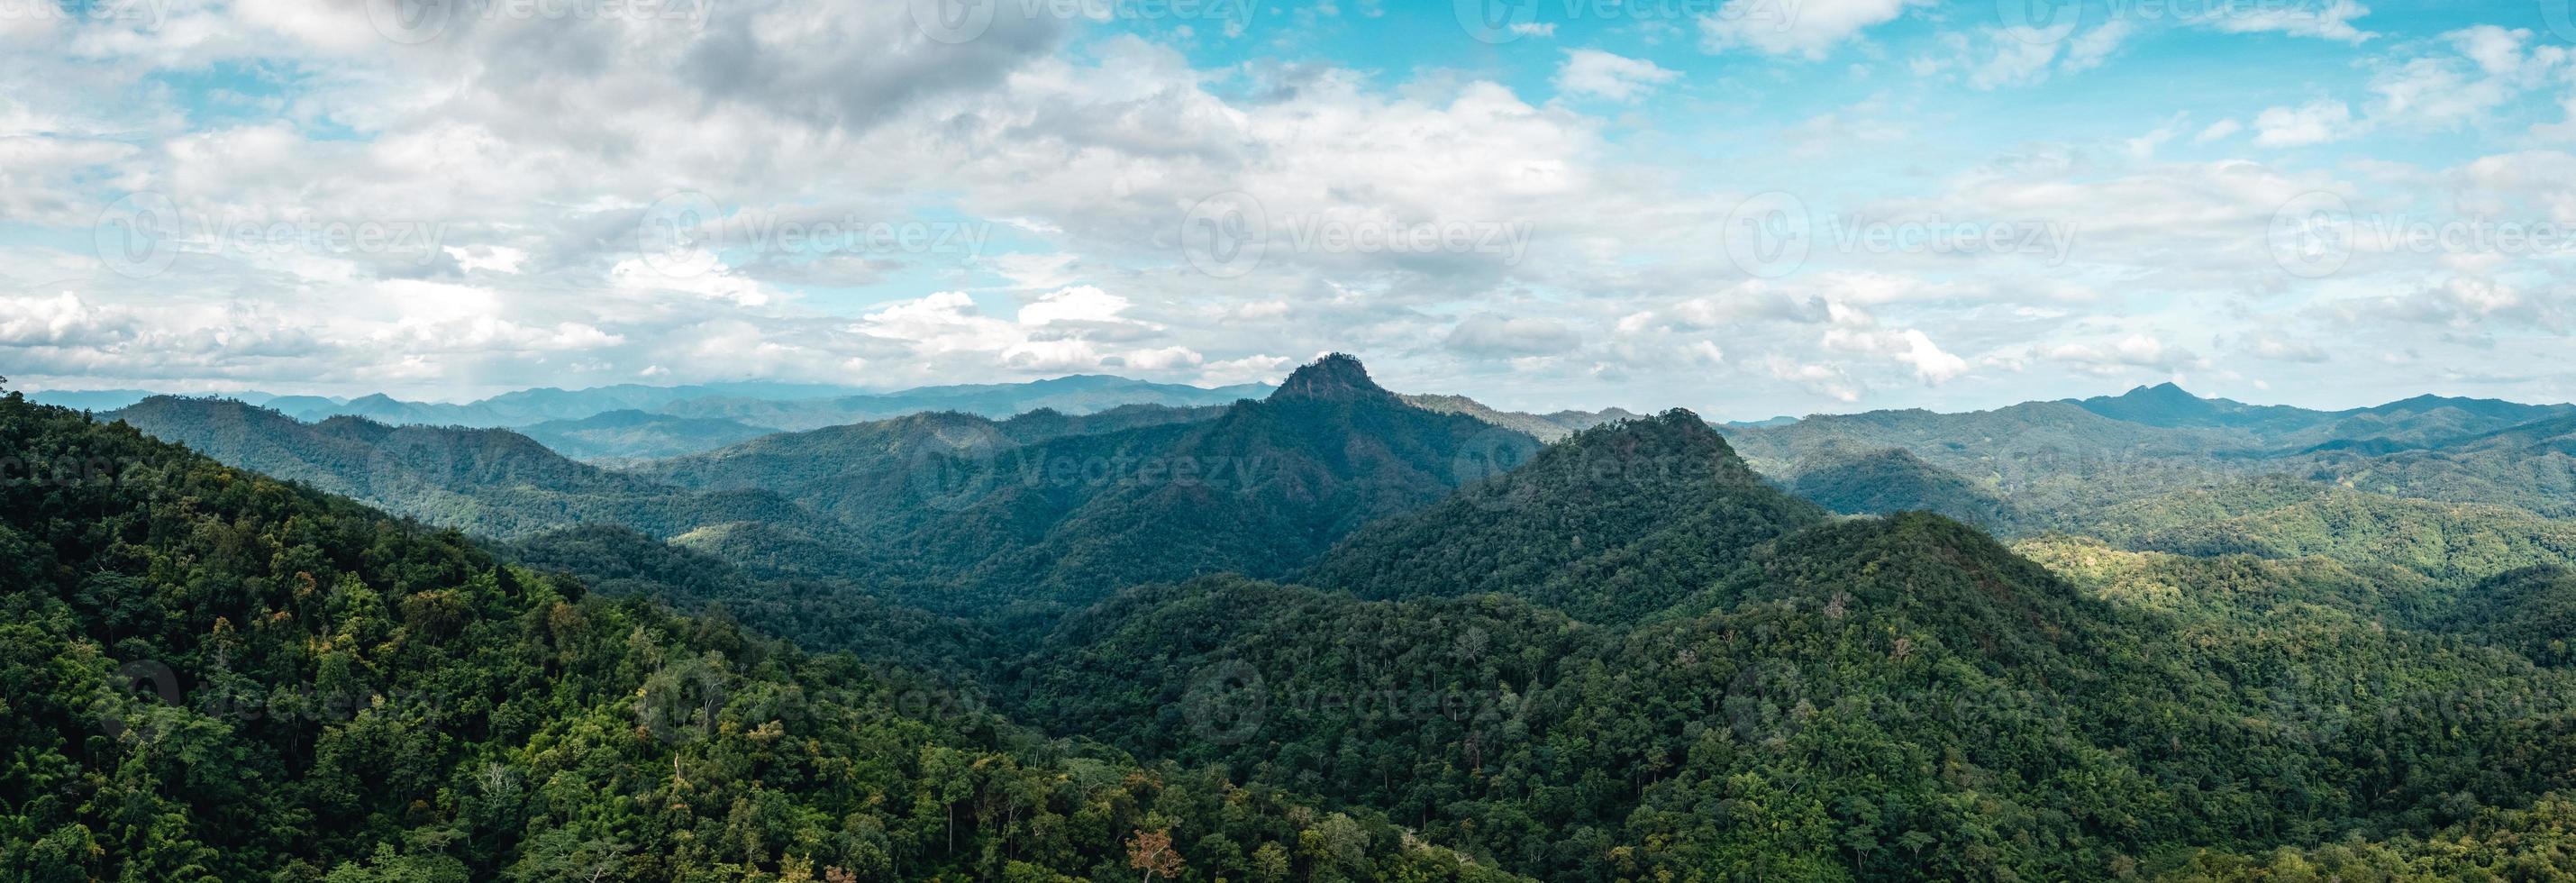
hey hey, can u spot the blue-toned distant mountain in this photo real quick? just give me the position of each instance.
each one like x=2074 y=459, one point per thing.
x=532 y=406
x=633 y=421
x=2422 y=418
x=1076 y=394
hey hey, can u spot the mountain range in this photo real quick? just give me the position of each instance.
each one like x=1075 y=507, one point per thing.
x=1413 y=637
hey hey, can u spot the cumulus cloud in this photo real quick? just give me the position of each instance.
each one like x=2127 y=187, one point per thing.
x=2315 y=122
x=1603 y=75
x=1807 y=29
x=2329 y=21
x=1487 y=335
x=1536 y=244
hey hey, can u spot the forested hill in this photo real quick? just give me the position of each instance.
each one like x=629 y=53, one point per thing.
x=1868 y=699
x=1052 y=513
x=1885 y=481
x=215 y=676
x=488 y=482
x=1616 y=522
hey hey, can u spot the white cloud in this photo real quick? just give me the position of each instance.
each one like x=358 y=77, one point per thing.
x=1806 y=28
x=1487 y=335
x=2315 y=122
x=2332 y=21
x=1601 y=74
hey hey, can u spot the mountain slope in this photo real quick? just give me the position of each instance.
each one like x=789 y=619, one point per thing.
x=1261 y=489
x=2290 y=518
x=490 y=482
x=630 y=434
x=1891 y=480
x=1054 y=509
x=1613 y=523
x=215 y=676
x=1871 y=698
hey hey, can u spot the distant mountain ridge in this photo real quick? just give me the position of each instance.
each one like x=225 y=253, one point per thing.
x=2169 y=405
x=1052 y=508
x=666 y=421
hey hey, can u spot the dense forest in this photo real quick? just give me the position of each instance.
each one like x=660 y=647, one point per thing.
x=216 y=676
x=1333 y=633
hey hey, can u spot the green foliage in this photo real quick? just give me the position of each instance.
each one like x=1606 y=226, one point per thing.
x=488 y=482
x=2288 y=518
x=2234 y=641
x=331 y=695
x=1892 y=480
x=1613 y=524
x=1865 y=699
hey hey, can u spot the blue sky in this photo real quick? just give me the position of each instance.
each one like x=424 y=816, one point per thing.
x=1746 y=207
